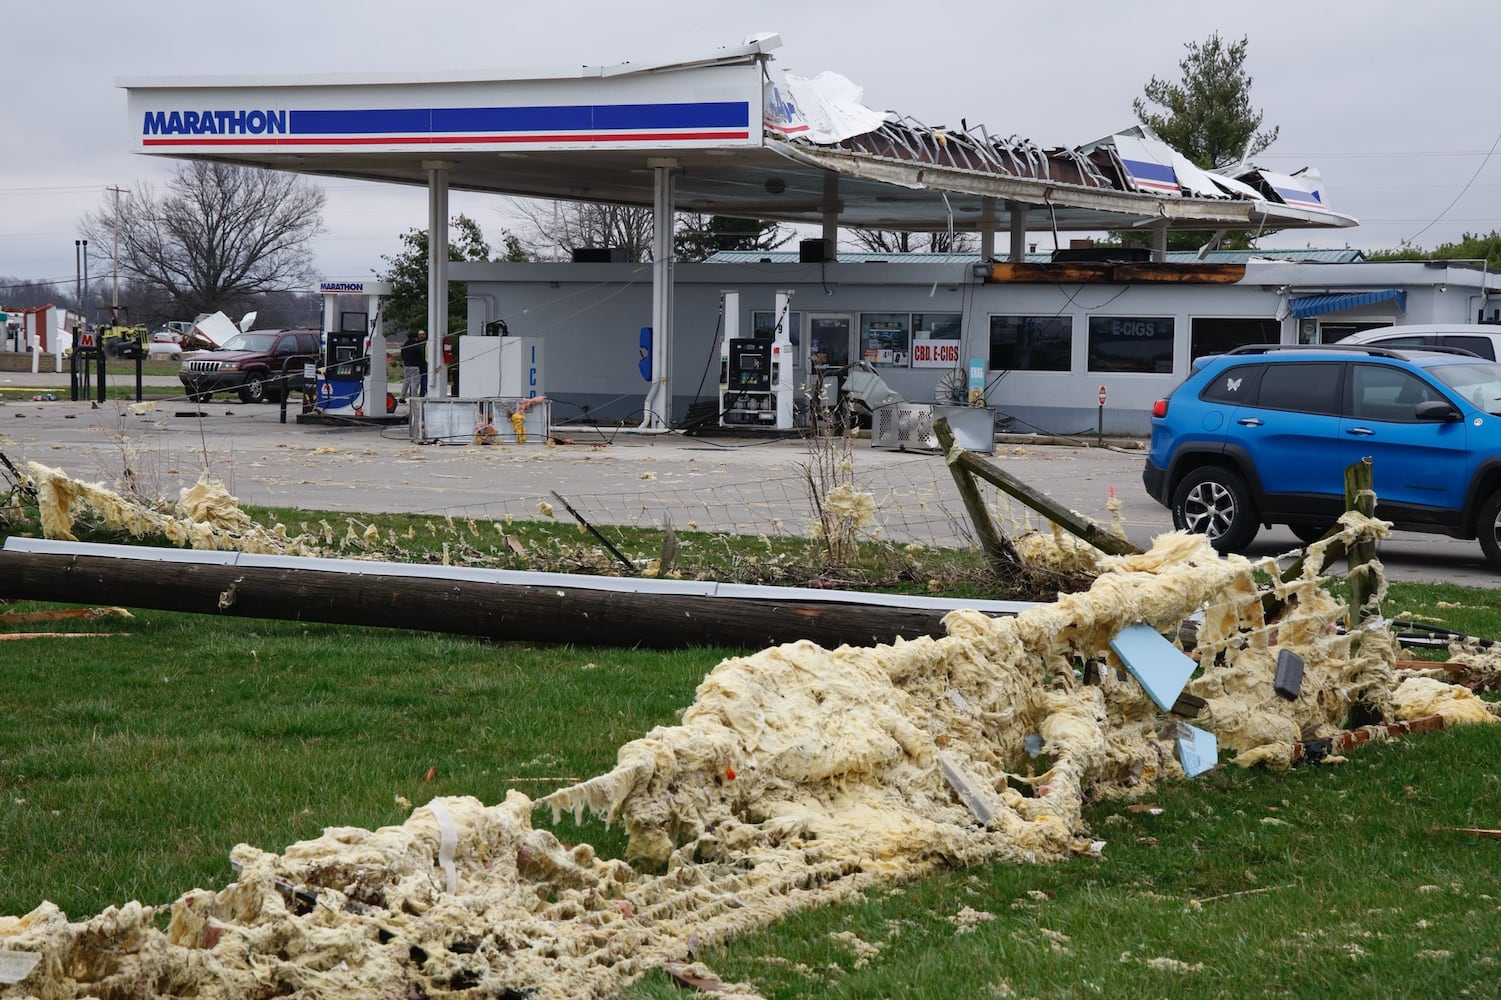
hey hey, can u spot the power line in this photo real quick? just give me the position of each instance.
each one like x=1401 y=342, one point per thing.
x=1404 y=154
x=1461 y=194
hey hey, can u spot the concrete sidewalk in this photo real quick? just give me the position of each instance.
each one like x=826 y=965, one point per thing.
x=743 y=484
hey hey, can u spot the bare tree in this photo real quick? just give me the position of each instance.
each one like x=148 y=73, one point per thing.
x=18 y=293
x=219 y=236
x=894 y=241
x=552 y=230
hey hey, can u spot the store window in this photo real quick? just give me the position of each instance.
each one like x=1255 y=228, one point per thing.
x=764 y=322
x=1031 y=343
x=1314 y=332
x=1131 y=344
x=1221 y=335
x=886 y=339
x=936 y=340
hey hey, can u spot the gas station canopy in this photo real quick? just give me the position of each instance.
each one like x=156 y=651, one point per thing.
x=742 y=139
x=725 y=135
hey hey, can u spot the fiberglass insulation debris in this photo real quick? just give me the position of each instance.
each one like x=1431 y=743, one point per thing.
x=799 y=775
x=206 y=515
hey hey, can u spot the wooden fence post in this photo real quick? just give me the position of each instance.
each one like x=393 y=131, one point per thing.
x=1066 y=519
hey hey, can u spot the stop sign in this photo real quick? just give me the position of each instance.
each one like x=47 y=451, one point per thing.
x=1102 y=395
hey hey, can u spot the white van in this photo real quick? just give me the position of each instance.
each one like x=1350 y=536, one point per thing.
x=1483 y=339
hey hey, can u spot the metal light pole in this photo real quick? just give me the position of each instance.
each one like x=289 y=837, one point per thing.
x=114 y=257
x=84 y=304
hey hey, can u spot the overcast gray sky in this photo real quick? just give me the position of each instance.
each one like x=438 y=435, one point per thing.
x=1391 y=99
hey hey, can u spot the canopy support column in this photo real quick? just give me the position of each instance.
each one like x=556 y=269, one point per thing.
x=437 y=274
x=830 y=209
x=657 y=409
x=1018 y=231
x=987 y=228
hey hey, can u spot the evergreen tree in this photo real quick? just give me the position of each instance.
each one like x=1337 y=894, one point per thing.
x=1207 y=115
x=406 y=308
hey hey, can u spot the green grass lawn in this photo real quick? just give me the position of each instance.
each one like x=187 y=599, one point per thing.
x=1326 y=881
x=131 y=764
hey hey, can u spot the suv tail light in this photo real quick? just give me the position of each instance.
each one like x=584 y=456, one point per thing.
x=1159 y=408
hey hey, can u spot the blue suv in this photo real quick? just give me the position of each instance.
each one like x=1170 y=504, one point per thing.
x=1262 y=435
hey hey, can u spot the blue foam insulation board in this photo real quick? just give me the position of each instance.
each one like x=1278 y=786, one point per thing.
x=1198 y=751
x=1158 y=666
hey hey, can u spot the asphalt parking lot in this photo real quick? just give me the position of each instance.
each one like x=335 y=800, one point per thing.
x=611 y=476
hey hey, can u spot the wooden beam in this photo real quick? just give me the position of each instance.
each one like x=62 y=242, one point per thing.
x=1066 y=519
x=999 y=553
x=1360 y=494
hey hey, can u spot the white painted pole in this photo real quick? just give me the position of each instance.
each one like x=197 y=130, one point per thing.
x=437 y=274
x=657 y=409
x=785 y=357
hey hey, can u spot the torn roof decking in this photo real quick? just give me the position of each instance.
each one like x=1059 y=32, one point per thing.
x=728 y=121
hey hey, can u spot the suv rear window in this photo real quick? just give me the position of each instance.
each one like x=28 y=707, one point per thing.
x=1311 y=387
x=1234 y=385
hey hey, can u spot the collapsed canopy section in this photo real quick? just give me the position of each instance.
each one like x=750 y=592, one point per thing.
x=746 y=140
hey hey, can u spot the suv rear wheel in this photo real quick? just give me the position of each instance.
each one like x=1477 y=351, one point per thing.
x=1215 y=501
x=254 y=389
x=1488 y=527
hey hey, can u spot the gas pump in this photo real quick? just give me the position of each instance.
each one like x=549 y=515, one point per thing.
x=756 y=374
x=351 y=378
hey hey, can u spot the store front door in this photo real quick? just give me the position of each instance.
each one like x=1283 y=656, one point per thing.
x=831 y=338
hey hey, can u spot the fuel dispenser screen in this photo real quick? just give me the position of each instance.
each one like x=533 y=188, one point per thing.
x=345 y=356
x=750 y=364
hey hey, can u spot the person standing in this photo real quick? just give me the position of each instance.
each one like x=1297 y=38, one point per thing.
x=413 y=358
x=422 y=360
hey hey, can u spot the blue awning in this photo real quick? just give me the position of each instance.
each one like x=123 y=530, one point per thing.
x=1317 y=305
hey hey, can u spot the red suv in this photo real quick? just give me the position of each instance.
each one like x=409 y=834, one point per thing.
x=259 y=365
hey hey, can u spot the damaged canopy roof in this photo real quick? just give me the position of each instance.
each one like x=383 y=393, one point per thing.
x=1133 y=175
x=745 y=140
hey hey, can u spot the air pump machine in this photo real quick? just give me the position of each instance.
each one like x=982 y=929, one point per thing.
x=757 y=375
x=351 y=373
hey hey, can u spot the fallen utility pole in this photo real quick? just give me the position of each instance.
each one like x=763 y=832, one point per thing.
x=541 y=607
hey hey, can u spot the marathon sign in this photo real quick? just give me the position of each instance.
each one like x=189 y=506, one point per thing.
x=353 y=286
x=935 y=353
x=214 y=122
x=691 y=107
